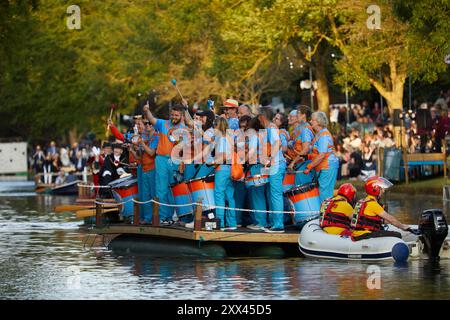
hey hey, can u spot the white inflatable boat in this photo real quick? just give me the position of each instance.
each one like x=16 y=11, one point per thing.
x=314 y=242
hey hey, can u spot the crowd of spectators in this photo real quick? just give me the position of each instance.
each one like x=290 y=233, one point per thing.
x=364 y=129
x=53 y=163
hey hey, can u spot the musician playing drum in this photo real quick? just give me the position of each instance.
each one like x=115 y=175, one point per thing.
x=324 y=161
x=164 y=166
x=301 y=145
x=147 y=144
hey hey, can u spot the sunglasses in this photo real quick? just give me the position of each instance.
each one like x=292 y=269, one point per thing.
x=146 y=123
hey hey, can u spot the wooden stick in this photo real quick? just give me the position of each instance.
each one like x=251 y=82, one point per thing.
x=176 y=87
x=92 y=212
x=107 y=126
x=75 y=207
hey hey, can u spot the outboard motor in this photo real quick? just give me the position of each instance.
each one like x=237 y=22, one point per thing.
x=434 y=229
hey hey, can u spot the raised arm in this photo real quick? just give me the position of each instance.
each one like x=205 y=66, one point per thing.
x=149 y=115
x=188 y=121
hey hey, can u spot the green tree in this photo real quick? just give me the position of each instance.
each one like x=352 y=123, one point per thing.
x=385 y=57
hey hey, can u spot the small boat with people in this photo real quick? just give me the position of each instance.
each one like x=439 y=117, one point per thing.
x=314 y=242
x=362 y=235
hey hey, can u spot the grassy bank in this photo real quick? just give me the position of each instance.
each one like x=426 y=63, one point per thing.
x=432 y=186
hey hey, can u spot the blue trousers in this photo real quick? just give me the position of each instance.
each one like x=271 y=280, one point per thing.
x=224 y=190
x=258 y=199
x=327 y=180
x=240 y=195
x=276 y=195
x=147 y=191
x=163 y=180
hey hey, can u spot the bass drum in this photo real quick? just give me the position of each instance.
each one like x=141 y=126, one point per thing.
x=305 y=201
x=203 y=188
x=123 y=190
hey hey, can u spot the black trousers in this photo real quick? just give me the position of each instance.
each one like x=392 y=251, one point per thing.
x=378 y=234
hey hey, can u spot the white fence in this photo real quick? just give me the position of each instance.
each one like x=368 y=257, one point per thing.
x=13 y=157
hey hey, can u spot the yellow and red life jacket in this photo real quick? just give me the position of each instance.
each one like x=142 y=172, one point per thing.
x=361 y=221
x=331 y=218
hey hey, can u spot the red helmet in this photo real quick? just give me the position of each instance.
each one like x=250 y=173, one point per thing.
x=374 y=185
x=348 y=191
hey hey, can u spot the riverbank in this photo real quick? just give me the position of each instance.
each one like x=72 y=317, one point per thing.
x=430 y=186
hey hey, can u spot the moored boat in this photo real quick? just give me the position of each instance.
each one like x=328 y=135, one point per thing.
x=70 y=188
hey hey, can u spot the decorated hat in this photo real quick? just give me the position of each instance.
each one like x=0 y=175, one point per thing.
x=231 y=103
x=117 y=146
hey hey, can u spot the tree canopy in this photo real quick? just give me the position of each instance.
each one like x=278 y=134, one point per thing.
x=54 y=80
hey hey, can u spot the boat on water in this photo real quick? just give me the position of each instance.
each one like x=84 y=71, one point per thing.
x=70 y=188
x=65 y=189
x=433 y=242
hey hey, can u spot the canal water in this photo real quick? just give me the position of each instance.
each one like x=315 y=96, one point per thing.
x=44 y=256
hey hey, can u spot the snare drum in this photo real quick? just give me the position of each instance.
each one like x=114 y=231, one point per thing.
x=203 y=187
x=182 y=195
x=124 y=189
x=304 y=198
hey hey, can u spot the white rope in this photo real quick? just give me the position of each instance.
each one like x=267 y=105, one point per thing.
x=92 y=186
x=208 y=206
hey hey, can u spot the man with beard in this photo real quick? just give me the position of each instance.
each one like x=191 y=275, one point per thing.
x=164 y=166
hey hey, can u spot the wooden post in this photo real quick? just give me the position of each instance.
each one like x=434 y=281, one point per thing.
x=98 y=214
x=136 y=213
x=380 y=160
x=405 y=165
x=444 y=156
x=198 y=215
x=155 y=218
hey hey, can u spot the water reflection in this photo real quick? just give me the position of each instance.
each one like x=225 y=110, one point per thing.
x=42 y=257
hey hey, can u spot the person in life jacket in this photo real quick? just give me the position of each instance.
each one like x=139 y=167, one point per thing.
x=369 y=215
x=336 y=212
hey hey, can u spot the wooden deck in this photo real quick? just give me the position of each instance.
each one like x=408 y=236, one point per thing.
x=240 y=235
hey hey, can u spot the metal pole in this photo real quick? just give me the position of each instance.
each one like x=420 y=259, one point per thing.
x=381 y=100
x=346 y=99
x=410 y=95
x=311 y=90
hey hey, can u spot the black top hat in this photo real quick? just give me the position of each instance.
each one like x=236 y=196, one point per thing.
x=117 y=146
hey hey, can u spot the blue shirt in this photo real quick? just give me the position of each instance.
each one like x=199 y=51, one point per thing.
x=233 y=123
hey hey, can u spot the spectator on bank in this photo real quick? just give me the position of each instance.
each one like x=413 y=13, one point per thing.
x=342 y=117
x=48 y=169
x=369 y=166
x=80 y=161
x=52 y=149
x=38 y=160
x=355 y=164
x=64 y=157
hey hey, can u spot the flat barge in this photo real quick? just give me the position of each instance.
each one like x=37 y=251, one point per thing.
x=177 y=240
